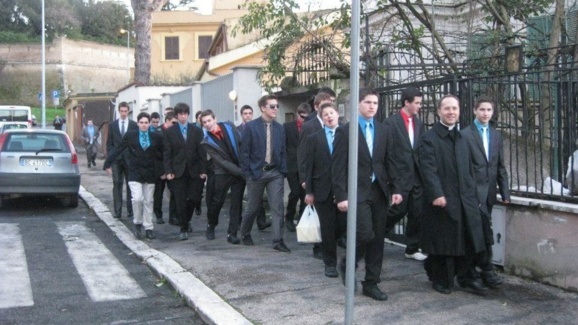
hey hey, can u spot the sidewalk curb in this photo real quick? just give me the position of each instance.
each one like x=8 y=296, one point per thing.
x=210 y=306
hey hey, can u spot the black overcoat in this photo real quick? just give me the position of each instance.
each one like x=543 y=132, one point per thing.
x=444 y=158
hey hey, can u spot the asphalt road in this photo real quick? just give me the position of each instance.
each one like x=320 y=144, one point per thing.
x=64 y=266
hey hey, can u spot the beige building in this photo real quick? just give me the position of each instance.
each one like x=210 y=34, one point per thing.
x=181 y=39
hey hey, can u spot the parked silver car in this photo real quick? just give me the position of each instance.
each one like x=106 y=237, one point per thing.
x=38 y=162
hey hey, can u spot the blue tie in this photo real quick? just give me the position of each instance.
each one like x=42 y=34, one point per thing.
x=144 y=141
x=185 y=133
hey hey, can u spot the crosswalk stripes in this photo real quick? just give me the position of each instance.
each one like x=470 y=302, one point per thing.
x=104 y=277
x=15 y=288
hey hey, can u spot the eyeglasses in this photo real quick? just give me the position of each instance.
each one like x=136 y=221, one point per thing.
x=303 y=116
x=273 y=106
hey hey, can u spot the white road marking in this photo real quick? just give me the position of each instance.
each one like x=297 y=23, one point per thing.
x=15 y=288
x=103 y=275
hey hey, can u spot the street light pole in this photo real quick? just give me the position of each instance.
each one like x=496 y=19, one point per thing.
x=127 y=32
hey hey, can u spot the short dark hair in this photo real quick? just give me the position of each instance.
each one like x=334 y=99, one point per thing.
x=197 y=115
x=169 y=115
x=123 y=104
x=409 y=94
x=324 y=106
x=304 y=108
x=483 y=99
x=155 y=115
x=320 y=98
x=366 y=91
x=143 y=114
x=447 y=96
x=327 y=90
x=263 y=100
x=182 y=108
x=244 y=107
x=207 y=112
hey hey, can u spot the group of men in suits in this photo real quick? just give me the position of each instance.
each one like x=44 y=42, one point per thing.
x=443 y=180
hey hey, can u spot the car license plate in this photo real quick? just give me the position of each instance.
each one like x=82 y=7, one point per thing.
x=36 y=162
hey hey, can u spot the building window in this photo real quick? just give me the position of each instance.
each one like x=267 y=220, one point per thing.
x=172 y=48
x=204 y=44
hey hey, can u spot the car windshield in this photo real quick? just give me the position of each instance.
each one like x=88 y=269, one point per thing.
x=15 y=126
x=35 y=142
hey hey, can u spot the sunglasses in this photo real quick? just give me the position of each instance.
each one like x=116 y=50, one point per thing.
x=303 y=116
x=273 y=106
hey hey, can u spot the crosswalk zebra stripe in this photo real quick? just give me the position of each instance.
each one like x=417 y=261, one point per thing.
x=103 y=275
x=15 y=289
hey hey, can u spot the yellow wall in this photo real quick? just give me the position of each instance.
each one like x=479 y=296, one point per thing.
x=256 y=59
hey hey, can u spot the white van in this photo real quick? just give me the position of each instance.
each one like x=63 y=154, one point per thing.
x=13 y=114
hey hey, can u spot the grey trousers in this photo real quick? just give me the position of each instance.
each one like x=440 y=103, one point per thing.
x=273 y=181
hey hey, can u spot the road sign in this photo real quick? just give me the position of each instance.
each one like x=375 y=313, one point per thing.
x=55 y=94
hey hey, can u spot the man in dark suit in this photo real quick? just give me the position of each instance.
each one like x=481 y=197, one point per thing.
x=297 y=193
x=375 y=167
x=185 y=164
x=264 y=164
x=452 y=232
x=116 y=130
x=144 y=151
x=246 y=117
x=222 y=142
x=308 y=128
x=319 y=189
x=406 y=128
x=487 y=159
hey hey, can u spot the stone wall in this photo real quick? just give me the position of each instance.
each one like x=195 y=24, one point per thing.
x=542 y=241
x=71 y=66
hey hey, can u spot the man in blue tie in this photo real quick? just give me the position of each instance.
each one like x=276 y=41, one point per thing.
x=145 y=167
x=90 y=137
x=375 y=169
x=185 y=164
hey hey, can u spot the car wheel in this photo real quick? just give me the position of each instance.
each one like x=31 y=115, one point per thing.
x=71 y=200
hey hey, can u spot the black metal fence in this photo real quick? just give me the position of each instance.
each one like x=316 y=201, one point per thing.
x=535 y=111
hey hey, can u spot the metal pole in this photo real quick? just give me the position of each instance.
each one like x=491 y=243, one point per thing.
x=127 y=57
x=43 y=70
x=352 y=164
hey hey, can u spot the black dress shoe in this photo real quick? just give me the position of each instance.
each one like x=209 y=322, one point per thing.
x=160 y=221
x=474 y=285
x=441 y=288
x=173 y=221
x=88 y=165
x=130 y=216
x=138 y=231
x=94 y=163
x=290 y=225
x=210 y=232
x=198 y=211
x=248 y=241
x=265 y=226
x=331 y=271
x=491 y=279
x=149 y=234
x=117 y=216
x=232 y=239
x=183 y=235
x=373 y=291
x=281 y=247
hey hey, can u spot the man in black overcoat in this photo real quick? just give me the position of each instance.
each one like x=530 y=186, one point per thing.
x=490 y=173
x=452 y=231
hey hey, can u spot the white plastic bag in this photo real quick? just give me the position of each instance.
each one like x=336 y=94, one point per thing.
x=309 y=229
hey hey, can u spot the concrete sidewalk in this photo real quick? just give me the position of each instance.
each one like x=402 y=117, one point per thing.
x=236 y=284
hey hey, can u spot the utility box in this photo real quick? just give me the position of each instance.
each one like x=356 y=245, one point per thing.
x=499 y=228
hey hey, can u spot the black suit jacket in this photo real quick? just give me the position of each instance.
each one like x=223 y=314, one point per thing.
x=318 y=171
x=184 y=158
x=291 y=145
x=307 y=129
x=145 y=166
x=114 y=137
x=405 y=157
x=488 y=173
x=381 y=164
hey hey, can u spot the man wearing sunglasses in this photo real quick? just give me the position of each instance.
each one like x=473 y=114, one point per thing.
x=264 y=165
